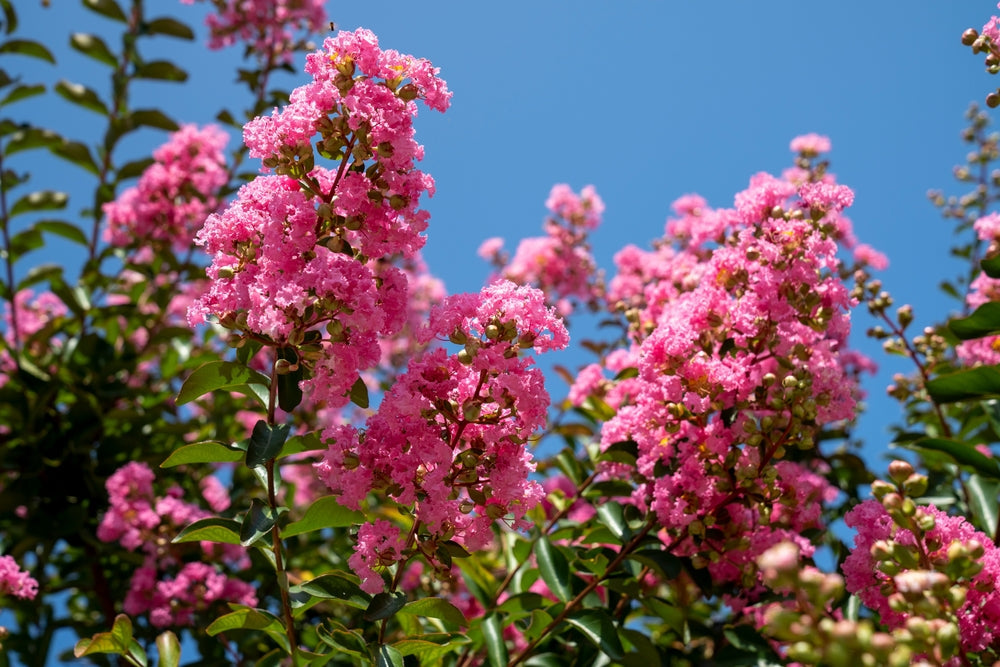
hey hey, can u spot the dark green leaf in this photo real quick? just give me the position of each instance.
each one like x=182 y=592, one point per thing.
x=666 y=563
x=43 y=200
x=435 y=608
x=430 y=649
x=985 y=321
x=161 y=70
x=308 y=442
x=597 y=626
x=216 y=375
x=245 y=619
x=153 y=118
x=257 y=522
x=63 y=229
x=22 y=92
x=335 y=586
x=28 y=138
x=39 y=273
x=991 y=266
x=496 y=647
x=169 y=649
x=963 y=454
x=325 y=512
x=621 y=452
x=9 y=15
x=265 y=442
x=27 y=47
x=388 y=657
x=211 y=529
x=202 y=452
x=611 y=515
x=983 y=495
x=94 y=47
x=25 y=241
x=384 y=605
x=554 y=568
x=978 y=382
x=133 y=169
x=78 y=154
x=359 y=393
x=108 y=8
x=81 y=95
x=169 y=26
x=289 y=391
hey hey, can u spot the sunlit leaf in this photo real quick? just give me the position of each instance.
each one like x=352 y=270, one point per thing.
x=435 y=608
x=388 y=656
x=335 y=586
x=93 y=47
x=43 y=200
x=496 y=647
x=554 y=568
x=169 y=649
x=978 y=382
x=81 y=95
x=216 y=375
x=203 y=452
x=211 y=529
x=307 y=442
x=983 y=502
x=597 y=626
x=324 y=512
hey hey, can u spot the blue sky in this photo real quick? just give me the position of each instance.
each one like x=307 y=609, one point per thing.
x=645 y=99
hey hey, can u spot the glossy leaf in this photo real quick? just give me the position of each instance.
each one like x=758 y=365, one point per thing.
x=108 y=8
x=983 y=502
x=27 y=47
x=93 y=47
x=325 y=512
x=554 y=568
x=22 y=92
x=169 y=26
x=597 y=626
x=216 y=375
x=335 y=586
x=211 y=529
x=43 y=200
x=245 y=619
x=985 y=321
x=963 y=454
x=611 y=515
x=169 y=650
x=289 y=391
x=265 y=442
x=435 y=608
x=118 y=640
x=388 y=656
x=81 y=95
x=257 y=523
x=496 y=647
x=307 y=442
x=978 y=382
x=209 y=451
x=429 y=649
x=384 y=605
x=161 y=70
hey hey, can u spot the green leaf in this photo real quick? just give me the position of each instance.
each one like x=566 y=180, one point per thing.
x=308 y=442
x=978 y=382
x=384 y=605
x=118 y=640
x=991 y=266
x=429 y=649
x=169 y=26
x=63 y=229
x=388 y=657
x=94 y=47
x=985 y=321
x=257 y=522
x=43 y=200
x=78 y=154
x=496 y=647
x=983 y=502
x=435 y=608
x=134 y=168
x=289 y=391
x=161 y=70
x=325 y=512
x=40 y=273
x=666 y=563
x=611 y=515
x=9 y=15
x=211 y=529
x=963 y=454
x=554 y=568
x=265 y=442
x=621 y=452
x=22 y=92
x=209 y=451
x=597 y=626
x=246 y=618
x=153 y=118
x=82 y=96
x=27 y=47
x=28 y=138
x=108 y=8
x=24 y=242
x=216 y=375
x=169 y=649
x=359 y=393
x=335 y=586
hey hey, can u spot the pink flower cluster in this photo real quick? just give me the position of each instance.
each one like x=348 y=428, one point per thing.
x=559 y=263
x=174 y=195
x=267 y=27
x=982 y=290
x=14 y=581
x=739 y=321
x=168 y=588
x=22 y=324
x=449 y=436
x=297 y=250
x=978 y=616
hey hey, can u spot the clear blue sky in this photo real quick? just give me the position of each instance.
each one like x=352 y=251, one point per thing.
x=647 y=100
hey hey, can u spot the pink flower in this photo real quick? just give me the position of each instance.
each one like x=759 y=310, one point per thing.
x=810 y=144
x=379 y=546
x=16 y=582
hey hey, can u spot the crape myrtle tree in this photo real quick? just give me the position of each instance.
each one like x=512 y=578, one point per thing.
x=257 y=427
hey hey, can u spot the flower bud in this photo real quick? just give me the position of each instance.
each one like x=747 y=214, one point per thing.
x=899 y=471
x=969 y=36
